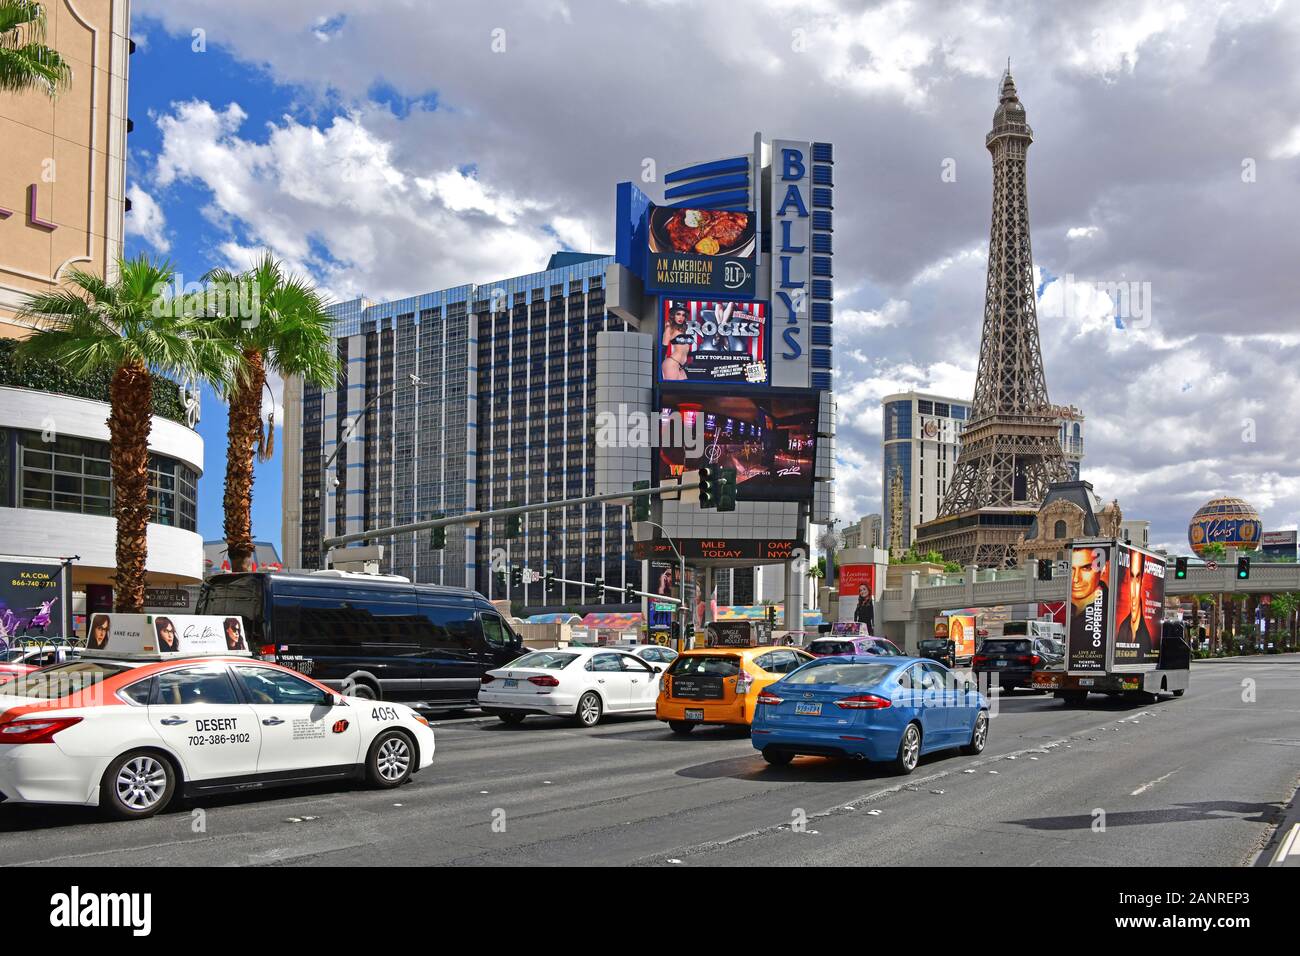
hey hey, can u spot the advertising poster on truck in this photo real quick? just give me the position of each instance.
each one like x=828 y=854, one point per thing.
x=1139 y=607
x=1089 y=609
x=961 y=631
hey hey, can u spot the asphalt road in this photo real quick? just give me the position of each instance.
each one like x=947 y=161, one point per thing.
x=1196 y=781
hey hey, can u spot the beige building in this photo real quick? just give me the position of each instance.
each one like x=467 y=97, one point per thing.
x=63 y=177
x=62 y=206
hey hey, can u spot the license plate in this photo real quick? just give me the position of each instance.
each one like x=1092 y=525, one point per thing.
x=808 y=710
x=694 y=714
x=1085 y=682
x=1001 y=663
x=511 y=683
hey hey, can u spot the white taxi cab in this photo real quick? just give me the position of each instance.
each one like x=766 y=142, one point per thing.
x=157 y=707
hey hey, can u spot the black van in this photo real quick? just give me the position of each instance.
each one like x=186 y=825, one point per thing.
x=373 y=637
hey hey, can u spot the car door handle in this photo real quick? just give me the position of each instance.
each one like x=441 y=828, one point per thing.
x=272 y=721
x=173 y=721
x=600 y=680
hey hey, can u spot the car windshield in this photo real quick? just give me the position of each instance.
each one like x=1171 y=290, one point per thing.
x=545 y=660
x=832 y=647
x=61 y=680
x=1005 y=647
x=712 y=665
x=835 y=672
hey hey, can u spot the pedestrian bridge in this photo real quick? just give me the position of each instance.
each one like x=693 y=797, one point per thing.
x=907 y=613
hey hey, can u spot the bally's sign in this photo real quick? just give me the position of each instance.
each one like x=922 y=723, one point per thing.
x=791 y=192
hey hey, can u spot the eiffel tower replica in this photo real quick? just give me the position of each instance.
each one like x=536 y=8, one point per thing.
x=1010 y=449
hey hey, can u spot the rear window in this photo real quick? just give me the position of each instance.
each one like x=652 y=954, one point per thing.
x=544 y=660
x=934 y=644
x=1015 y=627
x=833 y=672
x=713 y=665
x=832 y=647
x=60 y=680
x=995 y=646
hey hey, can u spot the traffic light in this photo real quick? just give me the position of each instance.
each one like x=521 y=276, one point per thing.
x=548 y=581
x=517 y=576
x=600 y=590
x=437 y=537
x=512 y=522
x=708 y=486
x=771 y=615
x=641 y=503
x=1243 y=568
x=1180 y=568
x=726 y=496
x=629 y=594
x=502 y=578
x=1044 y=569
x=690 y=630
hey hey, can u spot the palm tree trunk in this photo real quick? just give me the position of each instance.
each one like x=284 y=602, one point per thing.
x=131 y=398
x=241 y=445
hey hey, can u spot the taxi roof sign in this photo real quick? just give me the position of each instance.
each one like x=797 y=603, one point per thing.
x=163 y=636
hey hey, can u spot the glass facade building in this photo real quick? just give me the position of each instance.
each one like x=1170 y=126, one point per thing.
x=503 y=414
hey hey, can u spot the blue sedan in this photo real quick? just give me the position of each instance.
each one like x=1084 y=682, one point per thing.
x=869 y=708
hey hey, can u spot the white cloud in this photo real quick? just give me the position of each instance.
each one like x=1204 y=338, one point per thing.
x=146 y=219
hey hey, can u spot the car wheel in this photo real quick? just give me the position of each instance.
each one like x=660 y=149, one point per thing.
x=681 y=727
x=391 y=760
x=510 y=719
x=364 y=692
x=589 y=710
x=909 y=750
x=777 y=758
x=137 y=785
x=979 y=735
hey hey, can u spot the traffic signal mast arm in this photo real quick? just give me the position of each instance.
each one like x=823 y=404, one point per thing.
x=478 y=517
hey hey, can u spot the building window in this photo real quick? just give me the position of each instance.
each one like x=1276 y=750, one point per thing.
x=73 y=474
x=1058 y=530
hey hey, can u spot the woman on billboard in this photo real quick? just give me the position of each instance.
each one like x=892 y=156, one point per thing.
x=865 y=612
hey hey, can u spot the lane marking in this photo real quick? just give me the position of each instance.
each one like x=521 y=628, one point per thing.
x=1147 y=786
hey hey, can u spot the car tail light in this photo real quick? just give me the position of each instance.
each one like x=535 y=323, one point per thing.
x=35 y=730
x=545 y=680
x=1035 y=661
x=771 y=699
x=979 y=659
x=486 y=679
x=744 y=682
x=663 y=685
x=863 y=702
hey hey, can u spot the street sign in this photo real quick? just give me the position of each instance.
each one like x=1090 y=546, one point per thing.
x=1212 y=565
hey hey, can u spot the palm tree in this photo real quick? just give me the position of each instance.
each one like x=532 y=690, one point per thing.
x=289 y=333
x=26 y=63
x=123 y=325
x=816 y=573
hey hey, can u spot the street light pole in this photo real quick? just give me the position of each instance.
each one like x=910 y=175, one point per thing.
x=413 y=380
x=681 y=565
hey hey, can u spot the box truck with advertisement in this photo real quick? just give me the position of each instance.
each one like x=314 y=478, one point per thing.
x=1117 y=642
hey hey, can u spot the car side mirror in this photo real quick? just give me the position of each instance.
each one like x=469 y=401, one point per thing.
x=328 y=698
x=657 y=670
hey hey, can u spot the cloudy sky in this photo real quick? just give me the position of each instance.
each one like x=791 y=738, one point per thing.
x=390 y=147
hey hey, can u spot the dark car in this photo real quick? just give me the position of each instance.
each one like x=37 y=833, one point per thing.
x=1011 y=658
x=938 y=649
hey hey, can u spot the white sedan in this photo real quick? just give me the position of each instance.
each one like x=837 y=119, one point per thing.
x=129 y=735
x=584 y=683
x=650 y=653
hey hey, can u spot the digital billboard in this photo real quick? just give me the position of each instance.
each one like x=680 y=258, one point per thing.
x=1139 y=606
x=708 y=341
x=35 y=599
x=1089 y=607
x=769 y=438
x=701 y=251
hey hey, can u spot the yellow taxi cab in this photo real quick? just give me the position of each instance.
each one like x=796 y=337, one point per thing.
x=720 y=685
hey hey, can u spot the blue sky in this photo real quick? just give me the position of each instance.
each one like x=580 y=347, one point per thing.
x=163 y=73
